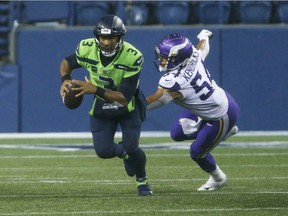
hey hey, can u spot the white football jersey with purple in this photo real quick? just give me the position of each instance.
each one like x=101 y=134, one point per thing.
x=201 y=95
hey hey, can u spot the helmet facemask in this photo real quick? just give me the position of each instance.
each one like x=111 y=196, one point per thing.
x=111 y=49
x=159 y=62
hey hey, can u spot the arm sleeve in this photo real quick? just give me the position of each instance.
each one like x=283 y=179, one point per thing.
x=164 y=99
x=129 y=86
x=72 y=60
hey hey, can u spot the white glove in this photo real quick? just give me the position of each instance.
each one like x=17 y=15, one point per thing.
x=205 y=35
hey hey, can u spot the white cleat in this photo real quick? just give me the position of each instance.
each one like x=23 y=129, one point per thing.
x=232 y=132
x=213 y=184
x=215 y=181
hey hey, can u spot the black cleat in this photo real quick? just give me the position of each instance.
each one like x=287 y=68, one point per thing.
x=144 y=188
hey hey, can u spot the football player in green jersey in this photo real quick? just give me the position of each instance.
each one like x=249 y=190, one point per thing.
x=114 y=68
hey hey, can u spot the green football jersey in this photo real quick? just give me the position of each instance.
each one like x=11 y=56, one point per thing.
x=127 y=62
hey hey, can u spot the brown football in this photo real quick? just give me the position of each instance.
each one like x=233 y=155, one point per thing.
x=70 y=100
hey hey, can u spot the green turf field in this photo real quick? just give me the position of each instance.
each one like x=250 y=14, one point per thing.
x=63 y=181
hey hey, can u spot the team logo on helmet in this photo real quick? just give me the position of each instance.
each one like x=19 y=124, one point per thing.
x=172 y=52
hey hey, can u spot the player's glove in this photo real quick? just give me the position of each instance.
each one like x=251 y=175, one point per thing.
x=205 y=35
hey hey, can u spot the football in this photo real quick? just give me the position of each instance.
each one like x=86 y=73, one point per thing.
x=70 y=100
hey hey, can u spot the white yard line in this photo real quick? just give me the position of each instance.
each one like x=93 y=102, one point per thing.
x=168 y=145
x=151 y=211
x=28 y=180
x=118 y=134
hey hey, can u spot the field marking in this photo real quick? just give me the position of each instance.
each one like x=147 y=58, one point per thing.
x=154 y=167
x=192 y=192
x=148 y=154
x=138 y=211
x=158 y=146
x=28 y=180
x=119 y=135
x=47 y=156
x=108 y=182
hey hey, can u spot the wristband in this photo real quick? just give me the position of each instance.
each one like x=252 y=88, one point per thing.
x=100 y=92
x=66 y=77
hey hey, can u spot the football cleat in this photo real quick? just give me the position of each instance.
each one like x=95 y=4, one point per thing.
x=144 y=188
x=216 y=181
x=232 y=132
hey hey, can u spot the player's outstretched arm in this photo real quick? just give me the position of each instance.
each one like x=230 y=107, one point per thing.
x=160 y=98
x=204 y=36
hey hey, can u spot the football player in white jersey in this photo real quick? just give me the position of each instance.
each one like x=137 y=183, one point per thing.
x=209 y=113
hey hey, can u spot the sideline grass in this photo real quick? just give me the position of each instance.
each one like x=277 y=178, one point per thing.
x=49 y=182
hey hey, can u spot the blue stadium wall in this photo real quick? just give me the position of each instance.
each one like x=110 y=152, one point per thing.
x=250 y=63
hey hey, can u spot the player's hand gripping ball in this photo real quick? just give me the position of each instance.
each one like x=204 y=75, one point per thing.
x=69 y=98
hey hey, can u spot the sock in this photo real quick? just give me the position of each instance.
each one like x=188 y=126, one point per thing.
x=141 y=179
x=217 y=174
